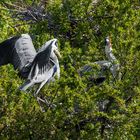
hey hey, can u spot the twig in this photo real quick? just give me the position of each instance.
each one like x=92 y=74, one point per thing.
x=30 y=13
x=11 y=5
x=17 y=25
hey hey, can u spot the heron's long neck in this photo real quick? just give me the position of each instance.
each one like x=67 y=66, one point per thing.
x=115 y=64
x=54 y=58
x=109 y=54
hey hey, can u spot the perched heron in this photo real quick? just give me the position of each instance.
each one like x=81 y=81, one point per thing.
x=37 y=67
x=110 y=64
x=44 y=66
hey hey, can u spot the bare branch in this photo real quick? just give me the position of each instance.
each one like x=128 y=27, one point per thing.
x=11 y=6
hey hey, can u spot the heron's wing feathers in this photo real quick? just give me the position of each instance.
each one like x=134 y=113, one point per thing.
x=19 y=51
x=24 y=52
x=104 y=64
x=6 y=50
x=41 y=62
x=42 y=57
x=34 y=71
x=48 y=78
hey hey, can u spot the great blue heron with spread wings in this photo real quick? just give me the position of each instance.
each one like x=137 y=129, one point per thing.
x=110 y=64
x=37 y=67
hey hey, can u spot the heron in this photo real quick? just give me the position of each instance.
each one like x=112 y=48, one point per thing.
x=111 y=64
x=97 y=78
x=44 y=66
x=37 y=67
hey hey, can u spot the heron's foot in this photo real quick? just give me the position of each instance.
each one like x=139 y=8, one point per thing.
x=35 y=95
x=48 y=104
x=42 y=109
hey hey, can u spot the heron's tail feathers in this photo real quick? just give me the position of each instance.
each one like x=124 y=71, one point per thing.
x=26 y=85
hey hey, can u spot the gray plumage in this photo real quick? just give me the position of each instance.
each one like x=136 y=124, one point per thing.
x=24 y=52
x=44 y=67
x=23 y=55
x=6 y=50
x=37 y=67
x=110 y=64
x=19 y=51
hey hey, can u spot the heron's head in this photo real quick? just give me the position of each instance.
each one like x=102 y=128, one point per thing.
x=55 y=48
x=108 y=45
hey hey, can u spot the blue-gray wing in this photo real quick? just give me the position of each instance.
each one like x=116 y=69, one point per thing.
x=24 y=52
x=19 y=51
x=42 y=61
x=104 y=65
x=6 y=50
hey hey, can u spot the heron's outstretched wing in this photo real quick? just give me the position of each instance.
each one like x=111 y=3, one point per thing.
x=36 y=76
x=41 y=61
x=96 y=77
x=24 y=52
x=48 y=77
x=19 y=51
x=6 y=50
x=44 y=66
x=104 y=65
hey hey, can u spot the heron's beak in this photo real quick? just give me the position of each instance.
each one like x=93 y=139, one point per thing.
x=57 y=53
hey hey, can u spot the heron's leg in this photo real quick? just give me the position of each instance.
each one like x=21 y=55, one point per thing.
x=37 y=91
x=49 y=104
x=40 y=101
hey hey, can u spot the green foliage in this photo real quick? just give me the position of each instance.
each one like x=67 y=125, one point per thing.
x=80 y=27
